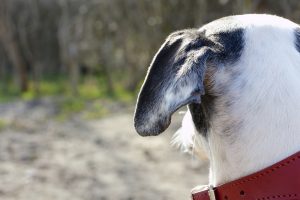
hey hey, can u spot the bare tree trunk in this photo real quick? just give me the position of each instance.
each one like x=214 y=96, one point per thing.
x=70 y=33
x=74 y=77
x=3 y=70
x=109 y=82
x=36 y=76
x=9 y=40
x=18 y=62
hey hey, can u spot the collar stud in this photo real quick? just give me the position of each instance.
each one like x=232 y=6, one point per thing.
x=211 y=193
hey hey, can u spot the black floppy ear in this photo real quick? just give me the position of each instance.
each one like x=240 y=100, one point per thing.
x=175 y=78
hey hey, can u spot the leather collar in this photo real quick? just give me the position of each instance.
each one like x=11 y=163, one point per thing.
x=280 y=181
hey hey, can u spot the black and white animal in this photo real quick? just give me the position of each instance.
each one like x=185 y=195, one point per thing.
x=240 y=77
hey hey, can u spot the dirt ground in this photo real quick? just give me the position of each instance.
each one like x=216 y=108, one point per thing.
x=46 y=159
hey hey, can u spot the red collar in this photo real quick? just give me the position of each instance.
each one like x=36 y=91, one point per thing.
x=280 y=181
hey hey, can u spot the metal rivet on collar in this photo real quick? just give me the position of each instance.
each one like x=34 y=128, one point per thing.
x=211 y=193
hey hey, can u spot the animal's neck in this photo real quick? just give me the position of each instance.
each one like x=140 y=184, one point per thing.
x=256 y=124
x=265 y=136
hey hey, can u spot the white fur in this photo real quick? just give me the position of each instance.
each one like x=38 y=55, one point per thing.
x=268 y=104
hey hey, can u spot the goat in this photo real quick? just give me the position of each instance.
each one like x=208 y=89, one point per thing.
x=240 y=77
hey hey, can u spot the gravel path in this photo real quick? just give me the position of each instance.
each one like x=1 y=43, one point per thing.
x=79 y=159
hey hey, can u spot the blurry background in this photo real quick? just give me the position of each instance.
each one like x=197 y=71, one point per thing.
x=70 y=71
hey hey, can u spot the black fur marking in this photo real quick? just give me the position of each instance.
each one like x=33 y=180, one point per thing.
x=182 y=50
x=232 y=45
x=297 y=39
x=190 y=51
x=202 y=113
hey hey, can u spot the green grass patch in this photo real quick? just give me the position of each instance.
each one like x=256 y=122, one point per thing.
x=91 y=91
x=56 y=87
x=89 y=88
x=96 y=111
x=46 y=87
x=3 y=124
x=123 y=95
x=8 y=92
x=68 y=106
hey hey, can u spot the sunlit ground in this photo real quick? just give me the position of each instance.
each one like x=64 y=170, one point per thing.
x=46 y=156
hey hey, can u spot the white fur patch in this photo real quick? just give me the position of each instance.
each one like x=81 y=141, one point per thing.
x=186 y=138
x=265 y=98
